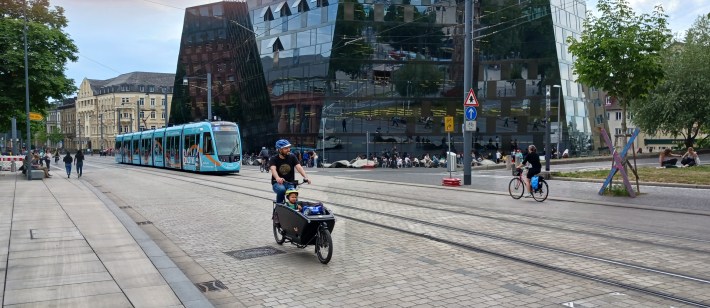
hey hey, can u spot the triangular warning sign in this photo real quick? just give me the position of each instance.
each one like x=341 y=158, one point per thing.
x=471 y=99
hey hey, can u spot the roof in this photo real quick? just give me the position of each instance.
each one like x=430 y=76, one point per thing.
x=135 y=78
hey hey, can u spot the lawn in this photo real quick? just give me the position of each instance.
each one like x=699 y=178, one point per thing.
x=690 y=175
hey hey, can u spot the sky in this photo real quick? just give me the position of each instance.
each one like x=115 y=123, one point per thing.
x=117 y=37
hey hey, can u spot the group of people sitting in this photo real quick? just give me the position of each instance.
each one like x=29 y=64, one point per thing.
x=690 y=158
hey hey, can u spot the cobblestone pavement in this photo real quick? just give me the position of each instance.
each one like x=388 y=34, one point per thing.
x=373 y=266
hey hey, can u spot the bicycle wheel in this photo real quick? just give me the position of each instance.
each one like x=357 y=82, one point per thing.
x=516 y=188
x=278 y=235
x=324 y=245
x=540 y=194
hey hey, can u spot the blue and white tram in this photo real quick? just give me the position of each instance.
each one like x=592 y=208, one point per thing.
x=211 y=147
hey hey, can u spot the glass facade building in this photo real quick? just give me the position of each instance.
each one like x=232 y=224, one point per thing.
x=359 y=76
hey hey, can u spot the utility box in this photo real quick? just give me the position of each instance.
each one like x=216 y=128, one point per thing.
x=451 y=161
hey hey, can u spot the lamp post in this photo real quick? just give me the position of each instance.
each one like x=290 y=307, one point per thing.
x=78 y=121
x=209 y=93
x=559 y=122
x=547 y=129
x=165 y=105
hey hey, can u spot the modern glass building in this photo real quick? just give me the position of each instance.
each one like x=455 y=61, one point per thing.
x=359 y=76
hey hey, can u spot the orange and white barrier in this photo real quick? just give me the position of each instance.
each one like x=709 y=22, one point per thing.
x=7 y=161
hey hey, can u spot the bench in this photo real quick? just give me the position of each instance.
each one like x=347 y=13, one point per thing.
x=36 y=174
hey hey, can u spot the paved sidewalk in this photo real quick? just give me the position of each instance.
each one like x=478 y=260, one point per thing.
x=63 y=246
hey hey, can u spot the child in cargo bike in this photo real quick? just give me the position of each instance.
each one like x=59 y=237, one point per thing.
x=307 y=208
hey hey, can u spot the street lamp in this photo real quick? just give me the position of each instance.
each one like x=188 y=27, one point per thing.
x=209 y=92
x=559 y=122
x=547 y=128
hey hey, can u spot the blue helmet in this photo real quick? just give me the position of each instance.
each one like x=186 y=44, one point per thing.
x=283 y=143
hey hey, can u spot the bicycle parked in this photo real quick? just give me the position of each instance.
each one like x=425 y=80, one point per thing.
x=516 y=187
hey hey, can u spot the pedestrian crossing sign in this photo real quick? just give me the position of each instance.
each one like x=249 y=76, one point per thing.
x=471 y=99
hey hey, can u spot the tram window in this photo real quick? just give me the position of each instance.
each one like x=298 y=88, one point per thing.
x=207 y=144
x=135 y=146
x=158 y=148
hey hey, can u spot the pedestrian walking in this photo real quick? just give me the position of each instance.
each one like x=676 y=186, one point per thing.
x=67 y=164
x=79 y=162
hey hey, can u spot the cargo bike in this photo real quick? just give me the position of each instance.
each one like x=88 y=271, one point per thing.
x=311 y=226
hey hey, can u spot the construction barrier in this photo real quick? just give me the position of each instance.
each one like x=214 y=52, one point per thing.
x=11 y=163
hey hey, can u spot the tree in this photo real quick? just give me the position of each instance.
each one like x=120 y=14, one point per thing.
x=49 y=49
x=55 y=135
x=425 y=79
x=620 y=52
x=680 y=105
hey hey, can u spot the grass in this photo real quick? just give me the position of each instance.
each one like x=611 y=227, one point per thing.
x=691 y=175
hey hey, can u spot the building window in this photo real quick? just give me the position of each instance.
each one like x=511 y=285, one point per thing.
x=152 y=101
x=142 y=89
x=152 y=127
x=142 y=128
x=162 y=101
x=302 y=6
x=268 y=15
x=163 y=116
x=140 y=115
x=617 y=131
x=141 y=101
x=152 y=114
x=124 y=99
x=618 y=115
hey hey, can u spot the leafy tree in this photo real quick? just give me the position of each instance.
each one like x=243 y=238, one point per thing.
x=680 y=105
x=425 y=79
x=55 y=135
x=49 y=49
x=620 y=52
x=350 y=51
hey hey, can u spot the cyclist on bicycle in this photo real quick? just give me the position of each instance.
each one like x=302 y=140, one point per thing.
x=535 y=167
x=283 y=167
x=264 y=155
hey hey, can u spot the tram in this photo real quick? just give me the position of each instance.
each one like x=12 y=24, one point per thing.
x=205 y=147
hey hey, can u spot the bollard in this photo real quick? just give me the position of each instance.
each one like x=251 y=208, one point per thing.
x=13 y=166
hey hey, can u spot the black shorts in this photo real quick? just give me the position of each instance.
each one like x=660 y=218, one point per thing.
x=533 y=172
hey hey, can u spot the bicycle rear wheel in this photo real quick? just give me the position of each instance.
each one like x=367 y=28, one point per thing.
x=516 y=188
x=540 y=194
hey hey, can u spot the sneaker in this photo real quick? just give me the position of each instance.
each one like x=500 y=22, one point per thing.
x=529 y=196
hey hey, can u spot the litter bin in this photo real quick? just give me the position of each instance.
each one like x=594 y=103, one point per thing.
x=451 y=161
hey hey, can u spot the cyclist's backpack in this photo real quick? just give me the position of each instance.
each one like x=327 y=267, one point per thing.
x=534 y=182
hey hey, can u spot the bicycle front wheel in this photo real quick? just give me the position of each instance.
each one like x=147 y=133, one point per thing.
x=516 y=188
x=540 y=194
x=324 y=245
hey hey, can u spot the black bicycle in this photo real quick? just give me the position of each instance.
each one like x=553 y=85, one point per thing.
x=516 y=187
x=312 y=226
x=263 y=166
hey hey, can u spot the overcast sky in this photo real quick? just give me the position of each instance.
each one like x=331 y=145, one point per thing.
x=116 y=37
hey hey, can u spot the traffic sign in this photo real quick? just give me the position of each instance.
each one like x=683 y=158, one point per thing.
x=470 y=126
x=471 y=99
x=36 y=116
x=449 y=123
x=470 y=113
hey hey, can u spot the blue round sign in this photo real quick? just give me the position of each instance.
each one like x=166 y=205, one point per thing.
x=470 y=113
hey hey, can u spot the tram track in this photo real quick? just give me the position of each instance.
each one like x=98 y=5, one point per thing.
x=447 y=232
